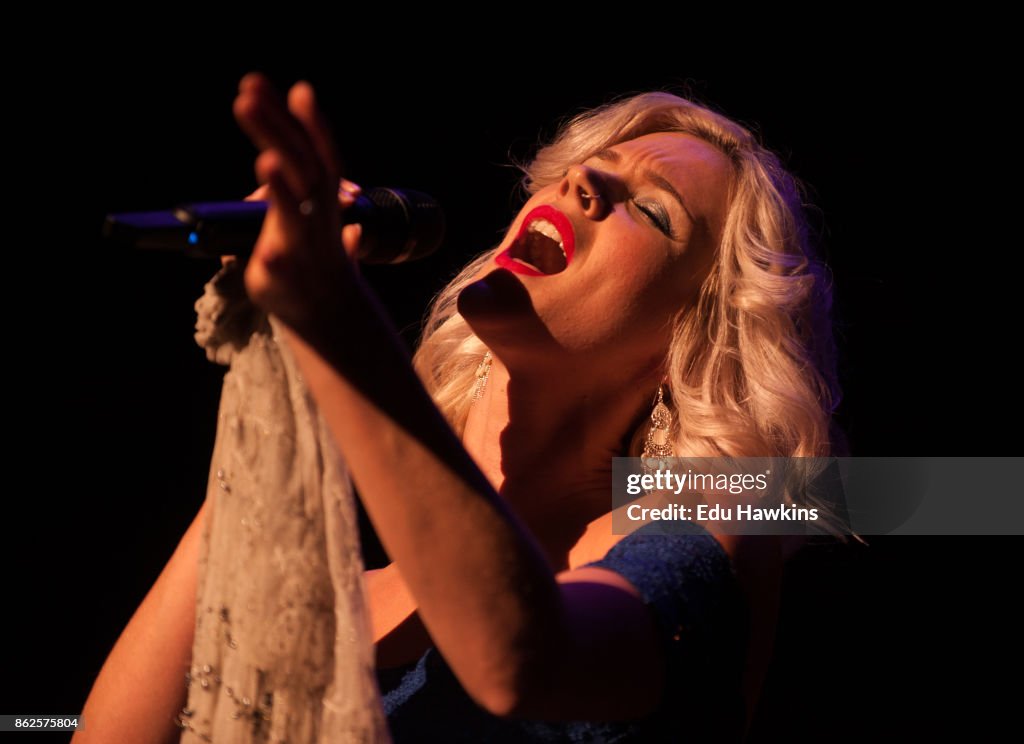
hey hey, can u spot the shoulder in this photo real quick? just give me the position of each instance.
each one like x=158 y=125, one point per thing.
x=687 y=579
x=682 y=571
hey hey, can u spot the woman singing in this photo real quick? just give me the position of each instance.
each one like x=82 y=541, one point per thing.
x=660 y=266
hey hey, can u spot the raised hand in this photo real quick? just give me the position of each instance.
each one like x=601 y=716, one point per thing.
x=301 y=260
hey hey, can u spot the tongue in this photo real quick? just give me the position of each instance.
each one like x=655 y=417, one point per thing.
x=541 y=252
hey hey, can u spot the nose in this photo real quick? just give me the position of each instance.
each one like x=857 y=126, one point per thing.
x=584 y=186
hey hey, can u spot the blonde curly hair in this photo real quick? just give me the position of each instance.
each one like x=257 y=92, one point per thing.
x=751 y=366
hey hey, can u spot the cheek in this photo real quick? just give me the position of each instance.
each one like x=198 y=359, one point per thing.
x=627 y=310
x=652 y=296
x=636 y=270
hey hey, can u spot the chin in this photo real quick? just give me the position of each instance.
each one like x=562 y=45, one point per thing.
x=498 y=295
x=501 y=313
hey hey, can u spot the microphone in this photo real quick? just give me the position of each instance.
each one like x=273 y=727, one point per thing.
x=398 y=225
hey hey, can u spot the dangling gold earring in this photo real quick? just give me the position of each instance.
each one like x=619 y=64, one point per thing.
x=658 y=443
x=482 y=371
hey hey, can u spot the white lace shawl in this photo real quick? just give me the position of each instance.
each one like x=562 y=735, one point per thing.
x=282 y=649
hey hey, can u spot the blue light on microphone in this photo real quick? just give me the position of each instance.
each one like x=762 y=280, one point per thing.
x=193 y=238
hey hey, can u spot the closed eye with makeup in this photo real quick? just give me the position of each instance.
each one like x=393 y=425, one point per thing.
x=647 y=191
x=608 y=253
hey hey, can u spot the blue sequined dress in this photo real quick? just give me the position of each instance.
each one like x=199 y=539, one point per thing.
x=687 y=580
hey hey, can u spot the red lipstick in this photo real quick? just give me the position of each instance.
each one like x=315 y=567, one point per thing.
x=565 y=232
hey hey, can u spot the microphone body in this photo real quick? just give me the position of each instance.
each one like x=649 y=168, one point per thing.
x=398 y=225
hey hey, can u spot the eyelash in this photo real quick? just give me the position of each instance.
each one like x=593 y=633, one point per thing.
x=656 y=216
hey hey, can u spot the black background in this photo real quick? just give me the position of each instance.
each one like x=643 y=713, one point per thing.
x=113 y=405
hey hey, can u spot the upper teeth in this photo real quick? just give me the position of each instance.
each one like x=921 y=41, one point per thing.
x=544 y=227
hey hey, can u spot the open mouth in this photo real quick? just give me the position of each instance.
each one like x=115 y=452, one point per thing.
x=541 y=248
x=544 y=246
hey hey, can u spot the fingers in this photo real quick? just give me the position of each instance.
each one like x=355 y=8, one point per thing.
x=348 y=192
x=260 y=194
x=346 y=187
x=302 y=104
x=350 y=235
x=286 y=210
x=264 y=117
x=298 y=257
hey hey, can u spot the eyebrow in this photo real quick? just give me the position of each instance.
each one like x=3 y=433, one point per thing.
x=611 y=156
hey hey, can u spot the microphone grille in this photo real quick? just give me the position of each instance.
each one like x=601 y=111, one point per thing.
x=406 y=225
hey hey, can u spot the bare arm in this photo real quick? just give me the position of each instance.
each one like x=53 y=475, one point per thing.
x=485 y=592
x=141 y=686
x=520 y=641
x=398 y=633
